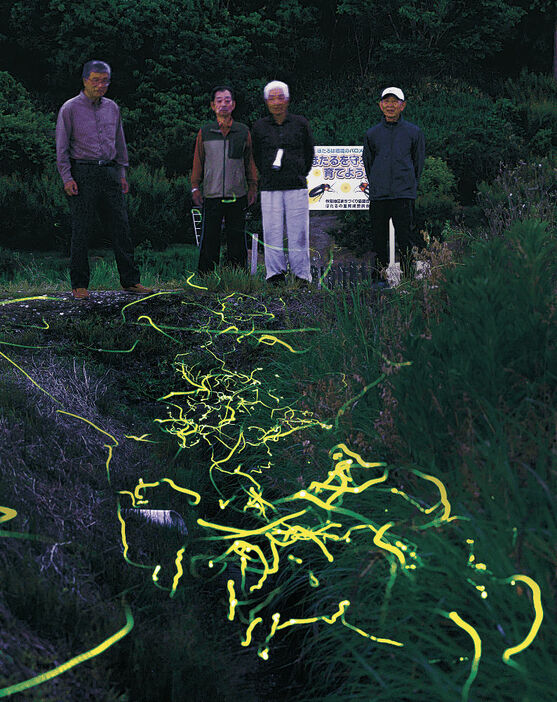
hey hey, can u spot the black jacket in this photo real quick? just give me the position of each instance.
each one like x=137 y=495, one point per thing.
x=295 y=137
x=393 y=155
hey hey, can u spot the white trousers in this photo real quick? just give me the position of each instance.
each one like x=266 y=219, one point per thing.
x=291 y=207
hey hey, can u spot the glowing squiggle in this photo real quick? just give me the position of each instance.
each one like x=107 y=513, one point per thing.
x=469 y=629
x=179 y=571
x=538 y=609
x=8 y=513
x=109 y=447
x=444 y=500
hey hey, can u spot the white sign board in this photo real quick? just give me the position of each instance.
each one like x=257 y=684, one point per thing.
x=337 y=180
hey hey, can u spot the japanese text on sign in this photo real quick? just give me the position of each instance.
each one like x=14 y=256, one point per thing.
x=337 y=179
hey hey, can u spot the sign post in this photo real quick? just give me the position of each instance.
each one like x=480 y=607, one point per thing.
x=337 y=180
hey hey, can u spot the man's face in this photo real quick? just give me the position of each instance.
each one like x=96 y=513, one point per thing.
x=391 y=107
x=223 y=105
x=96 y=85
x=277 y=103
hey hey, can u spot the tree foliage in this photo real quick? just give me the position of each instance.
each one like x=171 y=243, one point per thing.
x=421 y=36
x=25 y=132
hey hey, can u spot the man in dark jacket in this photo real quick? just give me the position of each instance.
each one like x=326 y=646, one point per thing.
x=223 y=163
x=283 y=152
x=393 y=155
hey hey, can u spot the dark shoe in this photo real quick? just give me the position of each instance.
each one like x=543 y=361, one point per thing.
x=276 y=279
x=138 y=289
x=80 y=293
x=302 y=282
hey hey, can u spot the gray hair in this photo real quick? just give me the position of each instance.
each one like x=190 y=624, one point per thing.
x=95 y=67
x=276 y=85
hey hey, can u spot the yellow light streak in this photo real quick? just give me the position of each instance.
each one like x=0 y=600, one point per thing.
x=26 y=299
x=469 y=629
x=29 y=377
x=142 y=438
x=377 y=639
x=141 y=301
x=109 y=447
x=249 y=630
x=271 y=340
x=235 y=532
x=125 y=541
x=179 y=570
x=342 y=606
x=538 y=618
x=157 y=328
x=377 y=540
x=8 y=513
x=231 y=600
x=193 y=285
x=442 y=492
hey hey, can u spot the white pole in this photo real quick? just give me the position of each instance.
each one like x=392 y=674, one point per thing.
x=391 y=243
x=393 y=271
x=253 y=254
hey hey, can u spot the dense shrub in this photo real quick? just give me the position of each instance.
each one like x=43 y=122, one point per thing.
x=532 y=103
x=436 y=201
x=487 y=361
x=159 y=207
x=35 y=214
x=26 y=134
x=467 y=128
x=521 y=192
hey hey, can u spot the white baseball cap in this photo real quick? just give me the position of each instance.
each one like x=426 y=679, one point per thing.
x=397 y=92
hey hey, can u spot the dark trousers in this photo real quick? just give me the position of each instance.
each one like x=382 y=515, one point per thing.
x=401 y=211
x=99 y=192
x=234 y=215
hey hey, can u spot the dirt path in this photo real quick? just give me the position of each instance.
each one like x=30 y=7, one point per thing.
x=322 y=243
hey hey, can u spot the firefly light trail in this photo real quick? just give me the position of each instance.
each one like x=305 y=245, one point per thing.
x=234 y=413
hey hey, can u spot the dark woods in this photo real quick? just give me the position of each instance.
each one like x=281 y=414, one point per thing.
x=478 y=78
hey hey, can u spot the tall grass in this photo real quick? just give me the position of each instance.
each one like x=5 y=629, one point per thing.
x=475 y=409
x=36 y=272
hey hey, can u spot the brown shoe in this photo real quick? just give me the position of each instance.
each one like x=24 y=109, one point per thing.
x=80 y=293
x=139 y=289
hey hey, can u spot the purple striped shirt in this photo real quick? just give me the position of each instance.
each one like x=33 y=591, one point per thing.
x=91 y=131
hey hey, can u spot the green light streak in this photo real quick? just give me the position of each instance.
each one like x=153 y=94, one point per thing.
x=97 y=650
x=469 y=629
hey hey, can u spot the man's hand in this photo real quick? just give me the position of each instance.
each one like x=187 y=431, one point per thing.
x=252 y=197
x=125 y=186
x=71 y=187
x=197 y=198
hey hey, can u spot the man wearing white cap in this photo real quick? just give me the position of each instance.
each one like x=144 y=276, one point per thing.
x=393 y=155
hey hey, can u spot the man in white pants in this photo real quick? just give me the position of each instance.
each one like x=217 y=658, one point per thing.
x=283 y=149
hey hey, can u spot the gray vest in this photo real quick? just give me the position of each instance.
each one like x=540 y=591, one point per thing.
x=224 y=173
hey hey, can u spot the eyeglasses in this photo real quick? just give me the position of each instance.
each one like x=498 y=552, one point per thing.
x=98 y=81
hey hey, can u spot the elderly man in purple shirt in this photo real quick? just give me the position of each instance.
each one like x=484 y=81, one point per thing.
x=91 y=156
